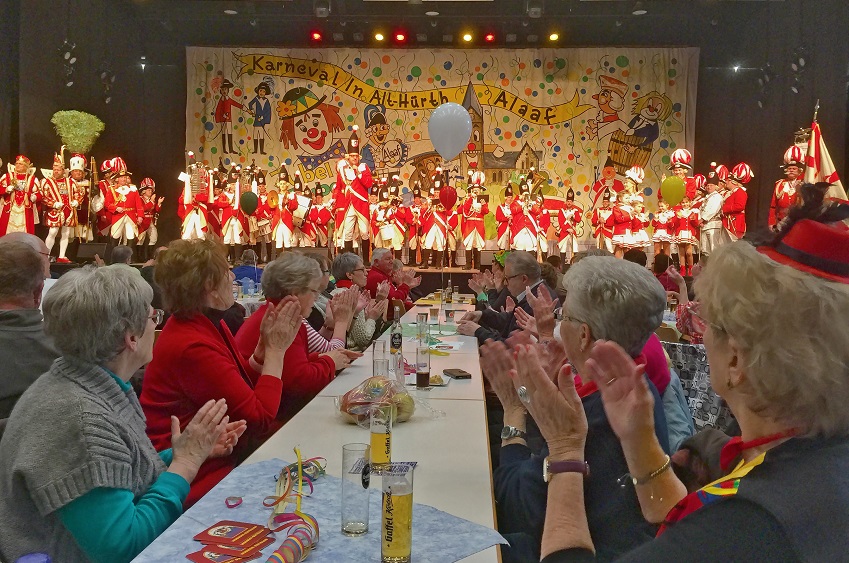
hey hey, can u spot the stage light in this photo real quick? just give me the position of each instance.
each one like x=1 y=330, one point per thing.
x=432 y=13
x=510 y=38
x=421 y=37
x=400 y=37
x=639 y=9
x=358 y=37
x=534 y=8
x=231 y=12
x=447 y=38
x=321 y=8
x=467 y=37
x=315 y=36
x=533 y=38
x=736 y=68
x=338 y=36
x=378 y=37
x=553 y=37
x=489 y=37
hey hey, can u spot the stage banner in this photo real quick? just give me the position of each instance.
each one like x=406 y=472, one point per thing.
x=580 y=117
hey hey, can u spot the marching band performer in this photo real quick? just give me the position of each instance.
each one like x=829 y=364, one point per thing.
x=218 y=202
x=415 y=226
x=78 y=175
x=503 y=217
x=621 y=220
x=568 y=219
x=602 y=223
x=436 y=223
x=234 y=224
x=319 y=218
x=125 y=206
x=61 y=198
x=283 y=222
x=524 y=226
x=392 y=220
x=664 y=224
x=785 y=191
x=474 y=209
x=194 y=209
x=638 y=228
x=148 y=234
x=98 y=202
x=353 y=181
x=262 y=235
x=544 y=227
x=734 y=206
x=681 y=163
x=710 y=219
x=686 y=234
x=19 y=194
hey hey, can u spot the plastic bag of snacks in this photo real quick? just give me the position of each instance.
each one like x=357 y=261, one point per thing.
x=356 y=404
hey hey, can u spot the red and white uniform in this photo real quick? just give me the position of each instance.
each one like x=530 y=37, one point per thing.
x=503 y=218
x=568 y=219
x=391 y=224
x=602 y=223
x=194 y=216
x=473 y=228
x=262 y=215
x=783 y=198
x=19 y=194
x=61 y=200
x=524 y=226
x=734 y=213
x=234 y=222
x=315 y=228
x=104 y=217
x=125 y=206
x=282 y=222
x=438 y=223
x=151 y=210
x=664 y=224
x=638 y=230
x=622 y=219
x=416 y=212
x=687 y=226
x=544 y=224
x=352 y=191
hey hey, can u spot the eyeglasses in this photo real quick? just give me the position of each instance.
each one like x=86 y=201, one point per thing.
x=574 y=320
x=325 y=271
x=701 y=324
x=157 y=316
x=359 y=269
x=507 y=278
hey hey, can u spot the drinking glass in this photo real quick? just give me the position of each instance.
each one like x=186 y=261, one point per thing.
x=422 y=367
x=355 y=483
x=380 y=425
x=397 y=523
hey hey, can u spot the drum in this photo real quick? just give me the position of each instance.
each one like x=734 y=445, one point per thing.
x=299 y=215
x=622 y=159
x=387 y=232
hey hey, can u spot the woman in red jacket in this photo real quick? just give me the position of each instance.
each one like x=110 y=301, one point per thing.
x=196 y=359
x=294 y=275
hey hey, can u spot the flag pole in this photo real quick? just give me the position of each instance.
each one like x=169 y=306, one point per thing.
x=816 y=110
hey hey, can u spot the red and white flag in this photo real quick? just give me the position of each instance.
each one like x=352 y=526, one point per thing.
x=819 y=166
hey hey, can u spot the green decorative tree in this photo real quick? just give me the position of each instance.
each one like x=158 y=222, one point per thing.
x=77 y=129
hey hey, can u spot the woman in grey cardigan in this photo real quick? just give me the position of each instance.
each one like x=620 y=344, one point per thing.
x=79 y=479
x=349 y=271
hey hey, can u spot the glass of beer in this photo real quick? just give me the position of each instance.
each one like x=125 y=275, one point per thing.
x=422 y=367
x=355 y=483
x=396 y=532
x=380 y=424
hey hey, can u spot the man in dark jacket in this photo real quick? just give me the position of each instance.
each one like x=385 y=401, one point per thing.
x=521 y=272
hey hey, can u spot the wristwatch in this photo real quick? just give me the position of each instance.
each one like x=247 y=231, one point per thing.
x=511 y=432
x=549 y=468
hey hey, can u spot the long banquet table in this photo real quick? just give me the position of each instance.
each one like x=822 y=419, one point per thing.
x=453 y=474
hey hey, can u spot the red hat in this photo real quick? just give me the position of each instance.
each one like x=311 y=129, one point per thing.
x=700 y=181
x=718 y=171
x=681 y=158
x=794 y=156
x=77 y=161
x=58 y=159
x=106 y=166
x=354 y=141
x=820 y=249
x=606 y=82
x=147 y=183
x=742 y=173
x=23 y=158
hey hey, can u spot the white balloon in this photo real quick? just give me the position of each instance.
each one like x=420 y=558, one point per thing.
x=450 y=128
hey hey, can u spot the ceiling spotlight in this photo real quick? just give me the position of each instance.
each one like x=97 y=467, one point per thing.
x=736 y=68
x=315 y=36
x=421 y=37
x=338 y=36
x=796 y=86
x=467 y=37
x=229 y=12
x=447 y=38
x=432 y=13
x=639 y=9
x=379 y=36
x=533 y=38
x=489 y=37
x=553 y=37
x=400 y=37
x=510 y=38
x=321 y=8
x=533 y=8
x=254 y=22
x=358 y=37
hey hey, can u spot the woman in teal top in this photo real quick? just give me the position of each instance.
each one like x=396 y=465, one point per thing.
x=79 y=479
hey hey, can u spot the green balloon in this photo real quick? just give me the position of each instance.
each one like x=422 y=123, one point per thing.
x=248 y=202
x=673 y=189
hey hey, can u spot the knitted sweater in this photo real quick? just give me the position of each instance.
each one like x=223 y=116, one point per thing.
x=74 y=430
x=25 y=353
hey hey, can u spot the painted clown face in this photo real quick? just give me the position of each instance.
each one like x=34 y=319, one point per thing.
x=312 y=132
x=653 y=109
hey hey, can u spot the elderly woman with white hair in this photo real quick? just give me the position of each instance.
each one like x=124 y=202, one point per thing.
x=607 y=299
x=350 y=272
x=306 y=373
x=778 y=346
x=79 y=479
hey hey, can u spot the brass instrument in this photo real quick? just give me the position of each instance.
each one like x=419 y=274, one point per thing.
x=273 y=199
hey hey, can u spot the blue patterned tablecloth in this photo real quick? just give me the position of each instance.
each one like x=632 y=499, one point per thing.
x=438 y=537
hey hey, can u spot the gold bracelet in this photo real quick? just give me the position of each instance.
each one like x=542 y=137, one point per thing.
x=654 y=474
